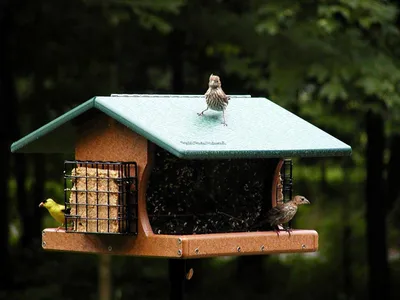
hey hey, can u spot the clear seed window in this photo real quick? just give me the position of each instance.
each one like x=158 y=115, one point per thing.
x=218 y=196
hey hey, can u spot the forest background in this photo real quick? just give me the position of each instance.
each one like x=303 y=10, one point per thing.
x=335 y=63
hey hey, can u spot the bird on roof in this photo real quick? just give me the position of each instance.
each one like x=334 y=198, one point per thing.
x=216 y=99
x=57 y=211
x=284 y=212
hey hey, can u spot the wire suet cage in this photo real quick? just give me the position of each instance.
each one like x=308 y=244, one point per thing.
x=101 y=197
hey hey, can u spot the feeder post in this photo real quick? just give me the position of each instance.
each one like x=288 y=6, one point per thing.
x=176 y=268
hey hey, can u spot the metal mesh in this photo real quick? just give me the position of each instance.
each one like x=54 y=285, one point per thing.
x=287 y=179
x=102 y=197
x=287 y=182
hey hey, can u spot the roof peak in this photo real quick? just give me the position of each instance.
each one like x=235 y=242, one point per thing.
x=171 y=95
x=258 y=128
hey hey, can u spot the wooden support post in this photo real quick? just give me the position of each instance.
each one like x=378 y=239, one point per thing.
x=177 y=277
x=105 y=288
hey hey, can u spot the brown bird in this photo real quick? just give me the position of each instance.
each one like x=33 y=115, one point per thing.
x=284 y=212
x=216 y=99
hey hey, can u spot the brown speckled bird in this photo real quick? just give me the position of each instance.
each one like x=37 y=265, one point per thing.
x=216 y=99
x=284 y=212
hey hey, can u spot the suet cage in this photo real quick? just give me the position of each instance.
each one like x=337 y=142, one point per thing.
x=102 y=197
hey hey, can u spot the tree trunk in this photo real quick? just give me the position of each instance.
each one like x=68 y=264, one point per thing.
x=393 y=188
x=346 y=262
x=376 y=209
x=176 y=272
x=32 y=219
x=4 y=177
x=347 y=265
x=105 y=286
x=7 y=133
x=176 y=45
x=250 y=274
x=20 y=176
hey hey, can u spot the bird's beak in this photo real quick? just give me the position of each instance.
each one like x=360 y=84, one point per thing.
x=41 y=204
x=306 y=201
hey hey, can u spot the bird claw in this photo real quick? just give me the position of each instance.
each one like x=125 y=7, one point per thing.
x=199 y=114
x=224 y=123
x=279 y=228
x=277 y=231
x=289 y=230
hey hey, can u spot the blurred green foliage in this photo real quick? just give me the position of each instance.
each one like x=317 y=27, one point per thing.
x=323 y=60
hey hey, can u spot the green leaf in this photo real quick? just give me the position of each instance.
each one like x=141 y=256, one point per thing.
x=270 y=27
x=318 y=71
x=333 y=90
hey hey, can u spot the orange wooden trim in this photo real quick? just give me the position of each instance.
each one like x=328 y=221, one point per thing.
x=104 y=139
x=248 y=243
x=184 y=246
x=117 y=244
x=275 y=182
x=144 y=222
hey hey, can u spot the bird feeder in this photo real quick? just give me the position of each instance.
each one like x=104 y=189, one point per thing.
x=149 y=177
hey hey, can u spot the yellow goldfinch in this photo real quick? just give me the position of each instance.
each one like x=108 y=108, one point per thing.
x=57 y=211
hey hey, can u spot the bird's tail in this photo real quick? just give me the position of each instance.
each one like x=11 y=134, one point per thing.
x=259 y=225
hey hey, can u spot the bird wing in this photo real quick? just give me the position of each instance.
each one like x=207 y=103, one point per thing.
x=224 y=96
x=280 y=214
x=274 y=213
x=57 y=211
x=63 y=209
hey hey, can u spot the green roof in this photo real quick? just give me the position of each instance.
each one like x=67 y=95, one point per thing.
x=257 y=127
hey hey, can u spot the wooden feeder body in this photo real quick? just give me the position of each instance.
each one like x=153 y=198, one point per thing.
x=100 y=137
